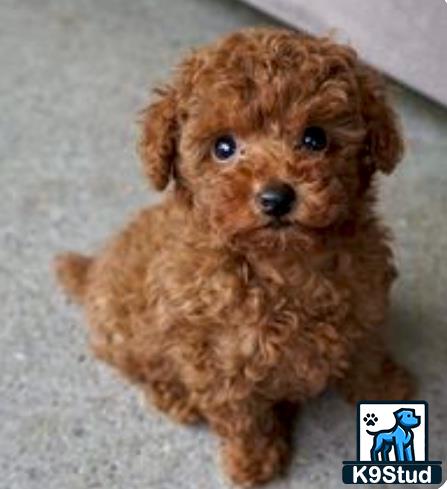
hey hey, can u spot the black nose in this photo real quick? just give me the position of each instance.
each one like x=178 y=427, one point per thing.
x=276 y=199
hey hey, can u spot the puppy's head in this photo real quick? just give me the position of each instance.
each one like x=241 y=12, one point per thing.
x=407 y=418
x=272 y=135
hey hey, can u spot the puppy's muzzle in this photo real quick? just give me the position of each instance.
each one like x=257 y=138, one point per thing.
x=276 y=200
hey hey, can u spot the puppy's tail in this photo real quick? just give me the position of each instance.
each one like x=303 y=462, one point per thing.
x=71 y=271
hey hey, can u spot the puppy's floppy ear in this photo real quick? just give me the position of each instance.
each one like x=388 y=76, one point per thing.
x=158 y=141
x=399 y=414
x=383 y=143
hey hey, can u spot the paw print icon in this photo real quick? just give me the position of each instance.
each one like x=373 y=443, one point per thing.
x=370 y=419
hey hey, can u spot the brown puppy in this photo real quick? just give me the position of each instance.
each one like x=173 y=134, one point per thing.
x=263 y=277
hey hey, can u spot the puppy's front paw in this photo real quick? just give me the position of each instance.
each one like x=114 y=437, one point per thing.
x=174 y=400
x=391 y=381
x=254 y=462
x=398 y=382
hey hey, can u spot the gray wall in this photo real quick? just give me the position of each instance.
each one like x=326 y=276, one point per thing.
x=407 y=39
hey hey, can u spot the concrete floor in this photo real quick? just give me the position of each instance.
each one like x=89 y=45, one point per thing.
x=73 y=75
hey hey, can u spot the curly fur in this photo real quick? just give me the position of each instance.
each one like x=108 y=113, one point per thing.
x=214 y=313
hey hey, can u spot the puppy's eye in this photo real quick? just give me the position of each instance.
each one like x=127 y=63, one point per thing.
x=314 y=139
x=224 y=147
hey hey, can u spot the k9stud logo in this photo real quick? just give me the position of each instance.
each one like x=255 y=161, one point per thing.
x=392 y=445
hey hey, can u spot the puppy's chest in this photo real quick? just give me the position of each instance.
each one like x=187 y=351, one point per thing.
x=239 y=294
x=286 y=332
x=292 y=293
x=298 y=307
x=244 y=309
x=271 y=328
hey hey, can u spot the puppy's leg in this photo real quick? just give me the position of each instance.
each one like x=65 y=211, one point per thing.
x=255 y=443
x=174 y=399
x=400 y=451
x=375 y=450
x=156 y=377
x=409 y=453
x=374 y=375
x=386 y=453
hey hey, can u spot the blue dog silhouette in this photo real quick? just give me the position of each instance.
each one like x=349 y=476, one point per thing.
x=400 y=437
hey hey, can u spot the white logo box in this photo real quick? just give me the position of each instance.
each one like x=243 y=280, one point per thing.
x=384 y=412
